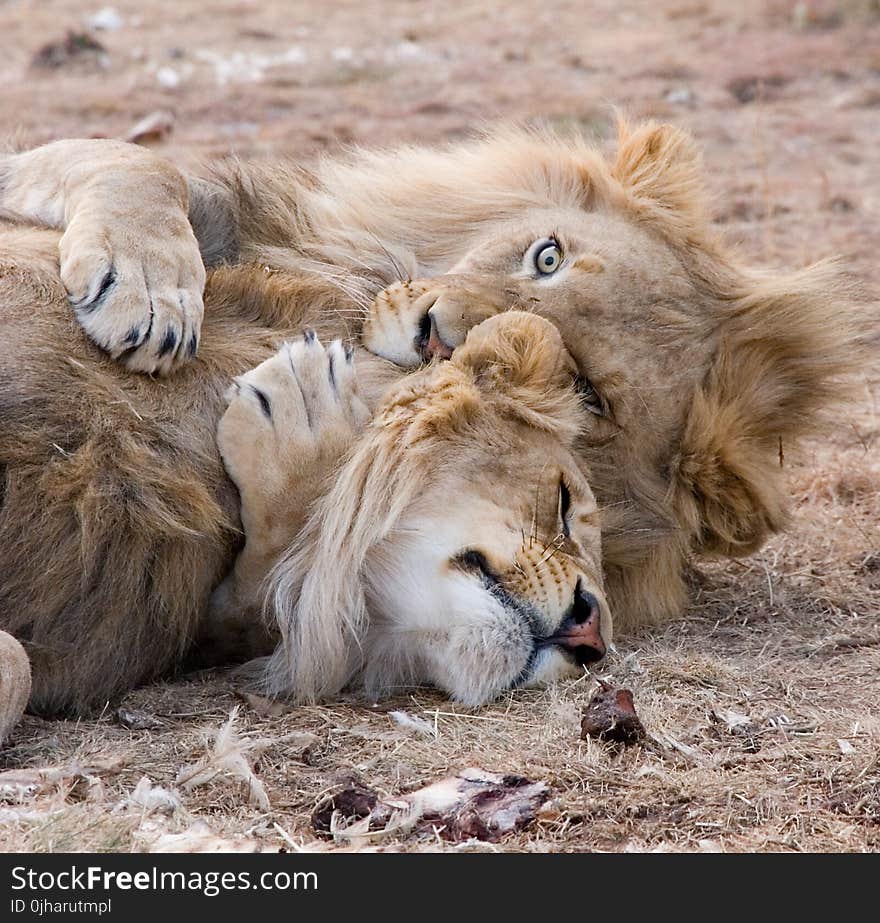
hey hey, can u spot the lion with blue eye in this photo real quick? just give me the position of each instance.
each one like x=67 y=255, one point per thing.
x=681 y=373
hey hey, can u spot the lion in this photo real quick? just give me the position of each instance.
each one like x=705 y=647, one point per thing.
x=118 y=520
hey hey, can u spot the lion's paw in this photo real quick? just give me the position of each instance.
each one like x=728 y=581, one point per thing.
x=138 y=298
x=291 y=417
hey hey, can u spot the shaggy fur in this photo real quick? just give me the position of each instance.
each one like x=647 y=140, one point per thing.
x=658 y=316
x=117 y=519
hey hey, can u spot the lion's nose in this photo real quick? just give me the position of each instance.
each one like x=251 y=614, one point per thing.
x=580 y=631
x=429 y=342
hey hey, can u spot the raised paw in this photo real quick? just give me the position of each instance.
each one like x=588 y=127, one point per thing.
x=137 y=294
x=290 y=419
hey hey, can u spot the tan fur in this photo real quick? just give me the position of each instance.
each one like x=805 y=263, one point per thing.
x=117 y=520
x=117 y=517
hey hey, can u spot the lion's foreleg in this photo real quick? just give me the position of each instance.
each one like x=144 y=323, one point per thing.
x=128 y=257
x=288 y=424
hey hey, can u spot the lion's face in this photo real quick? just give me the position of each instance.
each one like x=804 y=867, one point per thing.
x=468 y=554
x=491 y=578
x=614 y=291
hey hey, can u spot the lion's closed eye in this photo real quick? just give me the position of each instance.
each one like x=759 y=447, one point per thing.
x=590 y=397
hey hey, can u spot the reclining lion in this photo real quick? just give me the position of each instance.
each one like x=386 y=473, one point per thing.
x=368 y=585
x=117 y=520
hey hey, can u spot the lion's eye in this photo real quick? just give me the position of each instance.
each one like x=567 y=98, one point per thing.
x=590 y=396
x=547 y=256
x=564 y=507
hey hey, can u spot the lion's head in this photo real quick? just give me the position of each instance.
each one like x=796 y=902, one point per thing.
x=695 y=374
x=460 y=544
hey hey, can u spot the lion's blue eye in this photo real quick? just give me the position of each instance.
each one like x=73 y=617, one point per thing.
x=548 y=258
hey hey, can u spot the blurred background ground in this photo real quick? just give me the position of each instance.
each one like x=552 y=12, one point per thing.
x=764 y=697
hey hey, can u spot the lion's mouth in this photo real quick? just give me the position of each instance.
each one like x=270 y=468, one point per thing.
x=578 y=638
x=581 y=654
x=428 y=343
x=578 y=648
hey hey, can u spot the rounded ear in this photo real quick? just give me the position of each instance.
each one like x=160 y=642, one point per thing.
x=660 y=170
x=519 y=347
x=787 y=352
x=520 y=359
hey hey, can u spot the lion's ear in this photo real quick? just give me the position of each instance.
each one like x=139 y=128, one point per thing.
x=518 y=347
x=520 y=358
x=660 y=170
x=785 y=353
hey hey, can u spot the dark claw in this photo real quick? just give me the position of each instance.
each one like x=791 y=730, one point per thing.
x=331 y=371
x=309 y=335
x=169 y=341
x=265 y=404
x=133 y=338
x=193 y=345
x=141 y=342
x=86 y=306
x=349 y=352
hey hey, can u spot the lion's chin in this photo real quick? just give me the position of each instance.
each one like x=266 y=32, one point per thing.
x=546 y=665
x=472 y=677
x=549 y=665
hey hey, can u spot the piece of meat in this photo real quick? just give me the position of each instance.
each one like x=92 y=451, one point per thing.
x=611 y=716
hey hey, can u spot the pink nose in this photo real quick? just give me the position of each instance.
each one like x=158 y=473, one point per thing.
x=429 y=342
x=580 y=631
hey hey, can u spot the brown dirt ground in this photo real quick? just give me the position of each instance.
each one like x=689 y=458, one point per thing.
x=763 y=697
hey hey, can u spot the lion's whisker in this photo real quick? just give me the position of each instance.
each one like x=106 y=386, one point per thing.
x=403 y=276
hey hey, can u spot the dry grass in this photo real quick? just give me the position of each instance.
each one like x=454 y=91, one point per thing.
x=762 y=699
